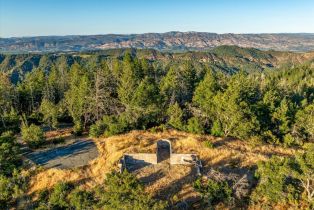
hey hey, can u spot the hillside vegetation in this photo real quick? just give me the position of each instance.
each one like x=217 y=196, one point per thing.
x=235 y=107
x=170 y=41
x=229 y=59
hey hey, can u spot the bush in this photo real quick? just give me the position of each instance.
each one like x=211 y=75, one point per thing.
x=64 y=196
x=108 y=126
x=208 y=144
x=80 y=199
x=33 y=135
x=97 y=129
x=123 y=189
x=6 y=192
x=57 y=199
x=175 y=115
x=10 y=188
x=58 y=140
x=10 y=122
x=160 y=128
x=274 y=184
x=213 y=192
x=78 y=129
x=114 y=125
x=289 y=140
x=9 y=153
x=216 y=129
x=195 y=126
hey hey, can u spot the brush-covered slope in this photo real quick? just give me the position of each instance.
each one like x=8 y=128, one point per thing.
x=228 y=59
x=171 y=41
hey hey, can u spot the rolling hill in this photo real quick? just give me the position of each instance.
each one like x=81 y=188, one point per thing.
x=170 y=41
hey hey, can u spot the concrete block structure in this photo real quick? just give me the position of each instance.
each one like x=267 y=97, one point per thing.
x=163 y=154
x=184 y=159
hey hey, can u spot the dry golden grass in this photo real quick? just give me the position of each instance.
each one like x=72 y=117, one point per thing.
x=226 y=151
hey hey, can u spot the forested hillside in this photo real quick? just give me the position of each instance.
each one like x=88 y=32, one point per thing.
x=256 y=96
x=229 y=59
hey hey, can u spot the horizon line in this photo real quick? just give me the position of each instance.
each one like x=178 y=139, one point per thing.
x=128 y=34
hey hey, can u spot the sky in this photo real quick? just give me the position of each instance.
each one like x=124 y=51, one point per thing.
x=85 y=17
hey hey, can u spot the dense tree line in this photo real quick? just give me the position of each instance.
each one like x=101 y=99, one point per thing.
x=116 y=95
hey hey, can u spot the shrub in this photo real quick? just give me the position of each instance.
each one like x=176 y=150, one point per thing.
x=80 y=199
x=216 y=129
x=58 y=140
x=159 y=128
x=274 y=185
x=78 y=129
x=195 y=126
x=208 y=144
x=10 y=122
x=97 y=129
x=33 y=135
x=64 y=196
x=213 y=192
x=10 y=188
x=269 y=137
x=9 y=153
x=57 y=199
x=114 y=125
x=123 y=189
x=175 y=115
x=6 y=192
x=289 y=140
x=108 y=126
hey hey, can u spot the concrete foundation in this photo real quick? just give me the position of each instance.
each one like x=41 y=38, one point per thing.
x=164 y=152
x=140 y=158
x=184 y=159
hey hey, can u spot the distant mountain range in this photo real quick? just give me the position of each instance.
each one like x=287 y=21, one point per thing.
x=227 y=59
x=170 y=41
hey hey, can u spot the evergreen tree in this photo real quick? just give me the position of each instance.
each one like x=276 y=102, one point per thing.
x=76 y=97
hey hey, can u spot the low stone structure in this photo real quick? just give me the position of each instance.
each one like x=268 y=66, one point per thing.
x=163 y=153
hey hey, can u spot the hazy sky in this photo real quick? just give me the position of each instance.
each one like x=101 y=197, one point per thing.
x=65 y=17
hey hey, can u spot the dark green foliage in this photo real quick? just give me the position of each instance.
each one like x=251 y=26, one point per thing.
x=58 y=140
x=286 y=180
x=213 y=192
x=175 y=116
x=108 y=126
x=57 y=198
x=194 y=125
x=97 y=129
x=10 y=122
x=9 y=153
x=76 y=96
x=216 y=129
x=185 y=94
x=123 y=191
x=304 y=122
x=11 y=187
x=80 y=199
x=179 y=83
x=50 y=113
x=272 y=179
x=33 y=135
